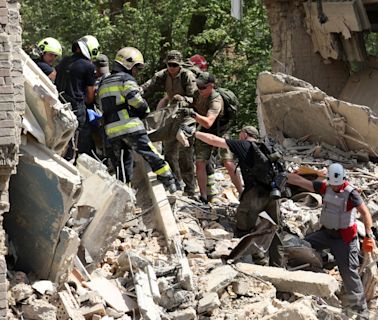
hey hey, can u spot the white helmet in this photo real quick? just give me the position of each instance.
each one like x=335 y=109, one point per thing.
x=129 y=57
x=336 y=174
x=89 y=47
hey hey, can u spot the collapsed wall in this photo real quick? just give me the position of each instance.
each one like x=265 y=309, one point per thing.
x=11 y=108
x=293 y=51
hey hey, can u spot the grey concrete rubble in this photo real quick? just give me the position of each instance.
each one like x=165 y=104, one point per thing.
x=112 y=201
x=56 y=120
x=304 y=282
x=39 y=212
x=348 y=126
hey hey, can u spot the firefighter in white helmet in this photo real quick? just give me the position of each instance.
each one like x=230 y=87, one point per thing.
x=123 y=108
x=339 y=230
x=75 y=82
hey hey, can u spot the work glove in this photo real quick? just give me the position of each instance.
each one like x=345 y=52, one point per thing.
x=178 y=98
x=188 y=131
x=368 y=244
x=186 y=112
x=93 y=117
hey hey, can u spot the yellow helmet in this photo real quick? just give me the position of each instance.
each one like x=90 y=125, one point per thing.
x=89 y=47
x=129 y=57
x=50 y=45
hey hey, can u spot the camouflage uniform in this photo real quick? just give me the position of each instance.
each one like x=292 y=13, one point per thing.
x=182 y=84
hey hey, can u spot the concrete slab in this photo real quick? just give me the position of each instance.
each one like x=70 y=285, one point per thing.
x=305 y=282
x=294 y=108
x=41 y=195
x=65 y=253
x=219 y=278
x=57 y=120
x=113 y=202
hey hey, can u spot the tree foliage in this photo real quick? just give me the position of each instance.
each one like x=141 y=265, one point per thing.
x=236 y=50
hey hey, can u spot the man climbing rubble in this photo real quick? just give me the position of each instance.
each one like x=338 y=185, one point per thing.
x=339 y=230
x=256 y=196
x=208 y=111
x=123 y=108
x=178 y=85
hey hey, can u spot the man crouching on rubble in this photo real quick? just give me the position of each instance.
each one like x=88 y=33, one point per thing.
x=255 y=197
x=339 y=230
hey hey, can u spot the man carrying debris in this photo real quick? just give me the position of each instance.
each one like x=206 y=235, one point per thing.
x=123 y=108
x=256 y=197
x=75 y=82
x=208 y=112
x=179 y=85
x=339 y=229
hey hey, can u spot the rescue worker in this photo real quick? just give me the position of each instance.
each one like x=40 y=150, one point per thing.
x=123 y=108
x=179 y=85
x=75 y=82
x=208 y=112
x=339 y=229
x=198 y=64
x=49 y=49
x=255 y=197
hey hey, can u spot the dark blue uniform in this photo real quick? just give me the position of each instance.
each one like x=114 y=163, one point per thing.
x=46 y=68
x=74 y=75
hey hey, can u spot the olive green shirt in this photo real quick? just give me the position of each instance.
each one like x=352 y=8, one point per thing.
x=183 y=84
x=213 y=104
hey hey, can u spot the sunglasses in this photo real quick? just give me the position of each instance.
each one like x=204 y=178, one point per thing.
x=203 y=87
x=173 y=65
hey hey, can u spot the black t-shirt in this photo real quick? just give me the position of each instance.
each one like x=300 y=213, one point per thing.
x=81 y=75
x=46 y=68
x=244 y=152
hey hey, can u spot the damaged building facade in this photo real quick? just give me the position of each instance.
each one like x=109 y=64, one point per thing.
x=337 y=76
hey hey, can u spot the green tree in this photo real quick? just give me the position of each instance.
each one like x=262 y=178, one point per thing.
x=236 y=50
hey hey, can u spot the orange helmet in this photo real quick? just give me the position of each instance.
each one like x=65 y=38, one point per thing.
x=199 y=61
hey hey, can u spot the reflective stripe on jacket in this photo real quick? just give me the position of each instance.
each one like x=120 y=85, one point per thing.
x=122 y=105
x=334 y=214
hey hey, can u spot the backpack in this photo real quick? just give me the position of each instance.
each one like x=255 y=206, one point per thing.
x=267 y=166
x=231 y=103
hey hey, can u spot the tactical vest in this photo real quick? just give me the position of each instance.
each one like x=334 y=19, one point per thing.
x=119 y=118
x=334 y=214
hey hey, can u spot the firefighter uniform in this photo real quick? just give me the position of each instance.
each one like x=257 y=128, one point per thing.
x=123 y=107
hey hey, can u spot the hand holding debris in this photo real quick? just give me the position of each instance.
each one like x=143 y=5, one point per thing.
x=178 y=98
x=187 y=112
x=188 y=131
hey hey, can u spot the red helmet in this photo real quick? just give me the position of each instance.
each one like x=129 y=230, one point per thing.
x=199 y=61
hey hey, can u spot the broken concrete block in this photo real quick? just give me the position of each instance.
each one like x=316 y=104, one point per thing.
x=113 y=202
x=38 y=309
x=194 y=245
x=147 y=306
x=185 y=314
x=65 y=254
x=109 y=292
x=252 y=287
x=42 y=193
x=347 y=126
x=138 y=262
x=57 y=120
x=43 y=286
x=219 y=278
x=90 y=311
x=218 y=234
x=21 y=291
x=305 y=282
x=298 y=310
x=208 y=303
